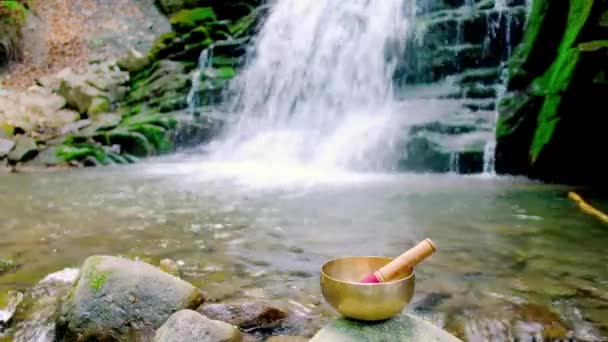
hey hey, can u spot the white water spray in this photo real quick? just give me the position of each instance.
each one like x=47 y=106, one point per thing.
x=318 y=89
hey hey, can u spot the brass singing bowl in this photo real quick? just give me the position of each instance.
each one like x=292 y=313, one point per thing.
x=367 y=302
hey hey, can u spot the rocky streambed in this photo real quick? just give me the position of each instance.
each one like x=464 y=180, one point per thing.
x=116 y=299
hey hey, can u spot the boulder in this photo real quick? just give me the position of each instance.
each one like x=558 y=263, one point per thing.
x=78 y=93
x=403 y=327
x=247 y=316
x=118 y=299
x=25 y=148
x=94 y=91
x=190 y=326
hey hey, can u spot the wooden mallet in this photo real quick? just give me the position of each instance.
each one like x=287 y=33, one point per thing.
x=408 y=259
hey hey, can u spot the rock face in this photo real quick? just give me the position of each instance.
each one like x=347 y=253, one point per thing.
x=117 y=299
x=401 y=328
x=455 y=55
x=117 y=112
x=190 y=326
x=245 y=316
x=553 y=117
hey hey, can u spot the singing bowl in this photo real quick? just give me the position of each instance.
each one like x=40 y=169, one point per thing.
x=367 y=302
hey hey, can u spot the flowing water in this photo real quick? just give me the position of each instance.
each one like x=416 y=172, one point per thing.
x=318 y=91
x=516 y=258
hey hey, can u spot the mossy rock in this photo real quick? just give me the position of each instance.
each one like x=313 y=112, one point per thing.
x=99 y=105
x=80 y=152
x=549 y=125
x=165 y=45
x=117 y=299
x=197 y=35
x=133 y=143
x=156 y=136
x=186 y=20
x=165 y=121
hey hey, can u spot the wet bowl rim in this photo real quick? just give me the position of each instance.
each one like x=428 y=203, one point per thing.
x=411 y=275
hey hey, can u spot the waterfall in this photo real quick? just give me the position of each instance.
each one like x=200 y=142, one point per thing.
x=317 y=89
x=204 y=62
x=489 y=153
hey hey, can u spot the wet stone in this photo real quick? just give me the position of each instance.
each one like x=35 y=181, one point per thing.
x=247 y=316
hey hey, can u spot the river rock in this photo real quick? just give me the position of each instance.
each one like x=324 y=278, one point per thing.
x=400 y=328
x=190 y=326
x=248 y=316
x=25 y=148
x=116 y=299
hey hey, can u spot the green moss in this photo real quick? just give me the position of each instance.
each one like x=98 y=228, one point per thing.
x=155 y=135
x=164 y=45
x=197 y=35
x=81 y=151
x=224 y=73
x=97 y=280
x=164 y=121
x=547 y=123
x=188 y=19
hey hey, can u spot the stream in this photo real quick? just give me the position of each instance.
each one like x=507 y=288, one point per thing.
x=516 y=260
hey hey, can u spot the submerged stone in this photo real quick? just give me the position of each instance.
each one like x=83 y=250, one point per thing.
x=400 y=328
x=116 y=299
x=190 y=326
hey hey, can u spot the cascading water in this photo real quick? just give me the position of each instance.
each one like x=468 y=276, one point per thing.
x=318 y=89
x=489 y=153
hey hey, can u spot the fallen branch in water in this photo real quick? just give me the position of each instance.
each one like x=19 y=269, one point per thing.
x=587 y=207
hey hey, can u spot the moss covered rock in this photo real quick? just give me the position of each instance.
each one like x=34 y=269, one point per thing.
x=551 y=121
x=187 y=20
x=117 y=300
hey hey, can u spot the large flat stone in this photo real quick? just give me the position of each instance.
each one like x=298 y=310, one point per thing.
x=404 y=327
